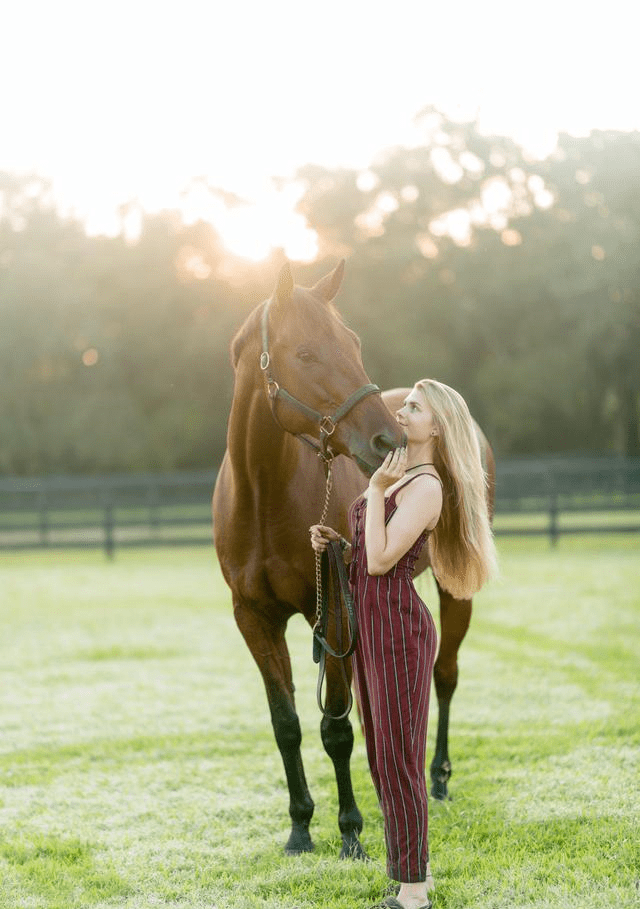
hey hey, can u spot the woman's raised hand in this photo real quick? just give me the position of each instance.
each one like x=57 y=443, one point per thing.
x=391 y=470
x=321 y=536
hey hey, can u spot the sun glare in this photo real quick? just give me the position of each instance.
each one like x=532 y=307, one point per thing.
x=252 y=229
x=249 y=229
x=252 y=232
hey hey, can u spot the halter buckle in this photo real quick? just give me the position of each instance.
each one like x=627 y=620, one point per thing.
x=272 y=389
x=264 y=360
x=327 y=426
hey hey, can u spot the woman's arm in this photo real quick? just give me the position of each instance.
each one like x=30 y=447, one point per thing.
x=418 y=507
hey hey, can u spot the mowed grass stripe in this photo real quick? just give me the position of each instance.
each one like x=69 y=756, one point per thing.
x=138 y=765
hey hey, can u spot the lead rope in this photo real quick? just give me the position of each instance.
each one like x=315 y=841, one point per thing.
x=335 y=578
x=328 y=461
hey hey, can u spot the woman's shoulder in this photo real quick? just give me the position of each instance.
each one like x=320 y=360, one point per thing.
x=401 y=484
x=427 y=479
x=424 y=497
x=423 y=486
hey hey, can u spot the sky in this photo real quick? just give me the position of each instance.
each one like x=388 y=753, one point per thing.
x=148 y=103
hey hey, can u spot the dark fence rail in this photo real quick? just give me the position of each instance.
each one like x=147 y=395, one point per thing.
x=544 y=497
x=611 y=478
x=106 y=512
x=558 y=496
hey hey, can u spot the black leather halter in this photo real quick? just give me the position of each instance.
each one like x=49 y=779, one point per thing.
x=326 y=422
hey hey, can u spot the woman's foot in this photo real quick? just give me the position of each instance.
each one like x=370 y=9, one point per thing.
x=414 y=896
x=410 y=896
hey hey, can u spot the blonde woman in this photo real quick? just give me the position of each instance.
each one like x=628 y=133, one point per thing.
x=431 y=492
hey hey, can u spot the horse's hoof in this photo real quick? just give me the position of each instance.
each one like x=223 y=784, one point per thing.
x=439 y=778
x=352 y=849
x=299 y=843
x=439 y=791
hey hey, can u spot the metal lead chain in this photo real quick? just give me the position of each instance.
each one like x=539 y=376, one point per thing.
x=318 y=557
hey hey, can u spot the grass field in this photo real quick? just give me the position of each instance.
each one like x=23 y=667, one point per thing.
x=138 y=767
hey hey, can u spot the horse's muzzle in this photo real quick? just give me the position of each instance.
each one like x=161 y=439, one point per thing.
x=368 y=460
x=382 y=443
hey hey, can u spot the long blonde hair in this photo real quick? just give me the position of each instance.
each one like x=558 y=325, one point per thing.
x=461 y=547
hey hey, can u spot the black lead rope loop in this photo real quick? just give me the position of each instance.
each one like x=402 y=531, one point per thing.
x=334 y=580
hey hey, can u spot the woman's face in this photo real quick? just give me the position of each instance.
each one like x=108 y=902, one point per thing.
x=416 y=417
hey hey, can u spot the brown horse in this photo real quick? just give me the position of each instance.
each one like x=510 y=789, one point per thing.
x=301 y=390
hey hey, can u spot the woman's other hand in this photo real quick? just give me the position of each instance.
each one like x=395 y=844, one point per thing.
x=391 y=470
x=321 y=536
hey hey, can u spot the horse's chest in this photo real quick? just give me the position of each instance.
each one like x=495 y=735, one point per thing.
x=264 y=577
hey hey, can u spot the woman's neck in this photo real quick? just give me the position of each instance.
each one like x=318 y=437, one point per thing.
x=420 y=455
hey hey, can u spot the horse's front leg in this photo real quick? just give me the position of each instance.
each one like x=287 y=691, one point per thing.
x=337 y=738
x=266 y=641
x=455 y=616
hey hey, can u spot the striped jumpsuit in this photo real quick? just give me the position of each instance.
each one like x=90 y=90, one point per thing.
x=393 y=666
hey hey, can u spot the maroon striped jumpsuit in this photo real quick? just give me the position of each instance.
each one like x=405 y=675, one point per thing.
x=393 y=666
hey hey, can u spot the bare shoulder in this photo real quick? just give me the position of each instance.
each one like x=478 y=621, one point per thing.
x=424 y=490
x=424 y=484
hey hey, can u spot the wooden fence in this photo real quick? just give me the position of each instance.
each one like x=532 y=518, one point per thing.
x=108 y=512
x=542 y=497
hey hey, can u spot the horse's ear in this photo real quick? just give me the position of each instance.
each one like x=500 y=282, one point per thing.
x=284 y=287
x=329 y=286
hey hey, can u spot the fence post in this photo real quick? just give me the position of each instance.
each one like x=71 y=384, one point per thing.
x=44 y=518
x=108 y=530
x=152 y=502
x=553 y=519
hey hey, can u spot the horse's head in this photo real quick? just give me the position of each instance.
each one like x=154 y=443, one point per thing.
x=314 y=377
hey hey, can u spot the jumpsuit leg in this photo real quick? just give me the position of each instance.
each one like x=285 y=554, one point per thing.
x=394 y=670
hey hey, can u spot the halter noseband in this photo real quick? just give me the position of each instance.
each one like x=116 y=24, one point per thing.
x=326 y=422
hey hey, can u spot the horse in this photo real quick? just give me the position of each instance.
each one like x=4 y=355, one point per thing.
x=302 y=401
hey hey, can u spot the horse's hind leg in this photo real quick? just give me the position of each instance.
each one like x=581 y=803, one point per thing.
x=266 y=641
x=455 y=616
x=337 y=738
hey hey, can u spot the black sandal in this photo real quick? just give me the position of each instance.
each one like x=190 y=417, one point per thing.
x=390 y=902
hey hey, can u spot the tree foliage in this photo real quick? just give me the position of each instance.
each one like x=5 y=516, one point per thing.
x=516 y=281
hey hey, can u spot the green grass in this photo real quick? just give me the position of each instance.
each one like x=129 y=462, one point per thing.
x=138 y=768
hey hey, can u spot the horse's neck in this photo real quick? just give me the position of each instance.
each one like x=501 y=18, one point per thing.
x=255 y=441
x=276 y=476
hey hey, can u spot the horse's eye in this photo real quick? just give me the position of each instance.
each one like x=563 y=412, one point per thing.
x=305 y=355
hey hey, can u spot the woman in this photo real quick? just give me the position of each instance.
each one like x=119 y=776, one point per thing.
x=429 y=492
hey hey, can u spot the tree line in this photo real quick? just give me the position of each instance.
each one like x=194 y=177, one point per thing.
x=514 y=280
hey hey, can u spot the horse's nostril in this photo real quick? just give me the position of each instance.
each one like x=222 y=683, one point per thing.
x=382 y=444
